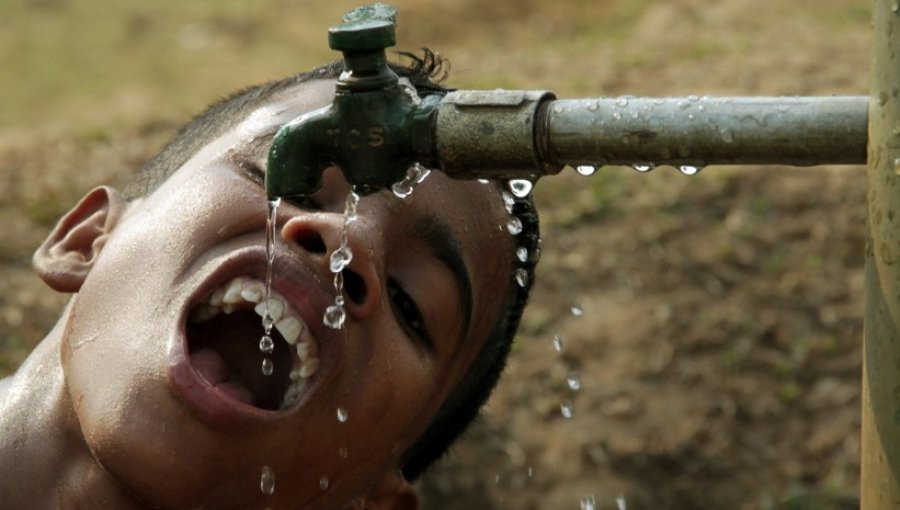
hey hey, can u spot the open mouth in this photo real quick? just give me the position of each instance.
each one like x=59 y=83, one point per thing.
x=223 y=338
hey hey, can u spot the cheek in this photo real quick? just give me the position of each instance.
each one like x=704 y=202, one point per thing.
x=391 y=402
x=204 y=205
x=398 y=392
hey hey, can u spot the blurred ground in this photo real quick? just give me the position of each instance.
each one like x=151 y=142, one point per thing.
x=719 y=350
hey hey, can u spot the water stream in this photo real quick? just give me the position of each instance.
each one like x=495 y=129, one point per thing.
x=266 y=344
x=340 y=258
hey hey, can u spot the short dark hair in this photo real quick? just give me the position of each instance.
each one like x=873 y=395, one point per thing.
x=426 y=72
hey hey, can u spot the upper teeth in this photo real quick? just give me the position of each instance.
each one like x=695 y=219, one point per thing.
x=243 y=291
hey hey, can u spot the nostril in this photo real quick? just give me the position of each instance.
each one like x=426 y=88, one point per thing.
x=311 y=241
x=354 y=287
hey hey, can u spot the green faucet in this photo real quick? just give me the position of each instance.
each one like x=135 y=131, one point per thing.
x=373 y=130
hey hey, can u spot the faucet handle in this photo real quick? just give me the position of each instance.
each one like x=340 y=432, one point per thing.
x=362 y=38
x=366 y=28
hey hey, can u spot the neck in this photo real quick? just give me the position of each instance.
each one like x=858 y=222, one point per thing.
x=44 y=461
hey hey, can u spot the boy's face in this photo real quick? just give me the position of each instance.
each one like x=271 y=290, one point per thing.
x=172 y=408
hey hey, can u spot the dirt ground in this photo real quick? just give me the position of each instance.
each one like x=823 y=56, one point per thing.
x=718 y=352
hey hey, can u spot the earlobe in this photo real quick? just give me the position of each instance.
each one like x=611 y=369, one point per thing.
x=64 y=259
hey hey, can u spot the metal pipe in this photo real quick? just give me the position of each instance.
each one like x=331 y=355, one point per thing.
x=880 y=483
x=709 y=130
x=511 y=134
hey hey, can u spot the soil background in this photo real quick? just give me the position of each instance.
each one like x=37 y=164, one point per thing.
x=719 y=349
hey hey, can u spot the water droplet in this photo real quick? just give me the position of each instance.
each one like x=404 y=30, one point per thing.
x=897 y=166
x=521 y=277
x=343 y=452
x=402 y=189
x=520 y=187
x=514 y=225
x=522 y=254
x=415 y=174
x=622 y=101
x=701 y=108
x=617 y=115
x=592 y=106
x=323 y=483
x=557 y=343
x=350 y=207
x=689 y=169
x=726 y=134
x=484 y=181
x=530 y=472
x=692 y=98
x=588 y=502
x=566 y=408
x=267 y=366
x=574 y=381
x=267 y=320
x=690 y=116
x=643 y=167
x=334 y=317
x=340 y=258
x=497 y=479
x=576 y=310
x=342 y=415
x=420 y=173
x=586 y=169
x=620 y=502
x=266 y=344
x=267 y=481
x=508 y=201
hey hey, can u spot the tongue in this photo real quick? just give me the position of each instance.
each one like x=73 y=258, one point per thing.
x=225 y=350
x=210 y=365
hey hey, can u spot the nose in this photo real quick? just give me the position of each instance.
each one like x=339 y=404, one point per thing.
x=319 y=234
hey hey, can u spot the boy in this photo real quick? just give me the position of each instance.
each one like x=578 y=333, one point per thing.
x=148 y=392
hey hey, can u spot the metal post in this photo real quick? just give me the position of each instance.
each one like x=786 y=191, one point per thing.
x=880 y=485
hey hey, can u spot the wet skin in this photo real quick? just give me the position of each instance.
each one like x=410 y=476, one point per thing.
x=109 y=411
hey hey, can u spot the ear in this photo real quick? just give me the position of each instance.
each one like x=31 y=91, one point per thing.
x=64 y=259
x=393 y=492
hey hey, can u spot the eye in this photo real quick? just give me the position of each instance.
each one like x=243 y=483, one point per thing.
x=407 y=312
x=253 y=171
x=256 y=174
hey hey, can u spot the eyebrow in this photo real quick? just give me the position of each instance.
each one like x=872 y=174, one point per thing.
x=260 y=143
x=438 y=235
